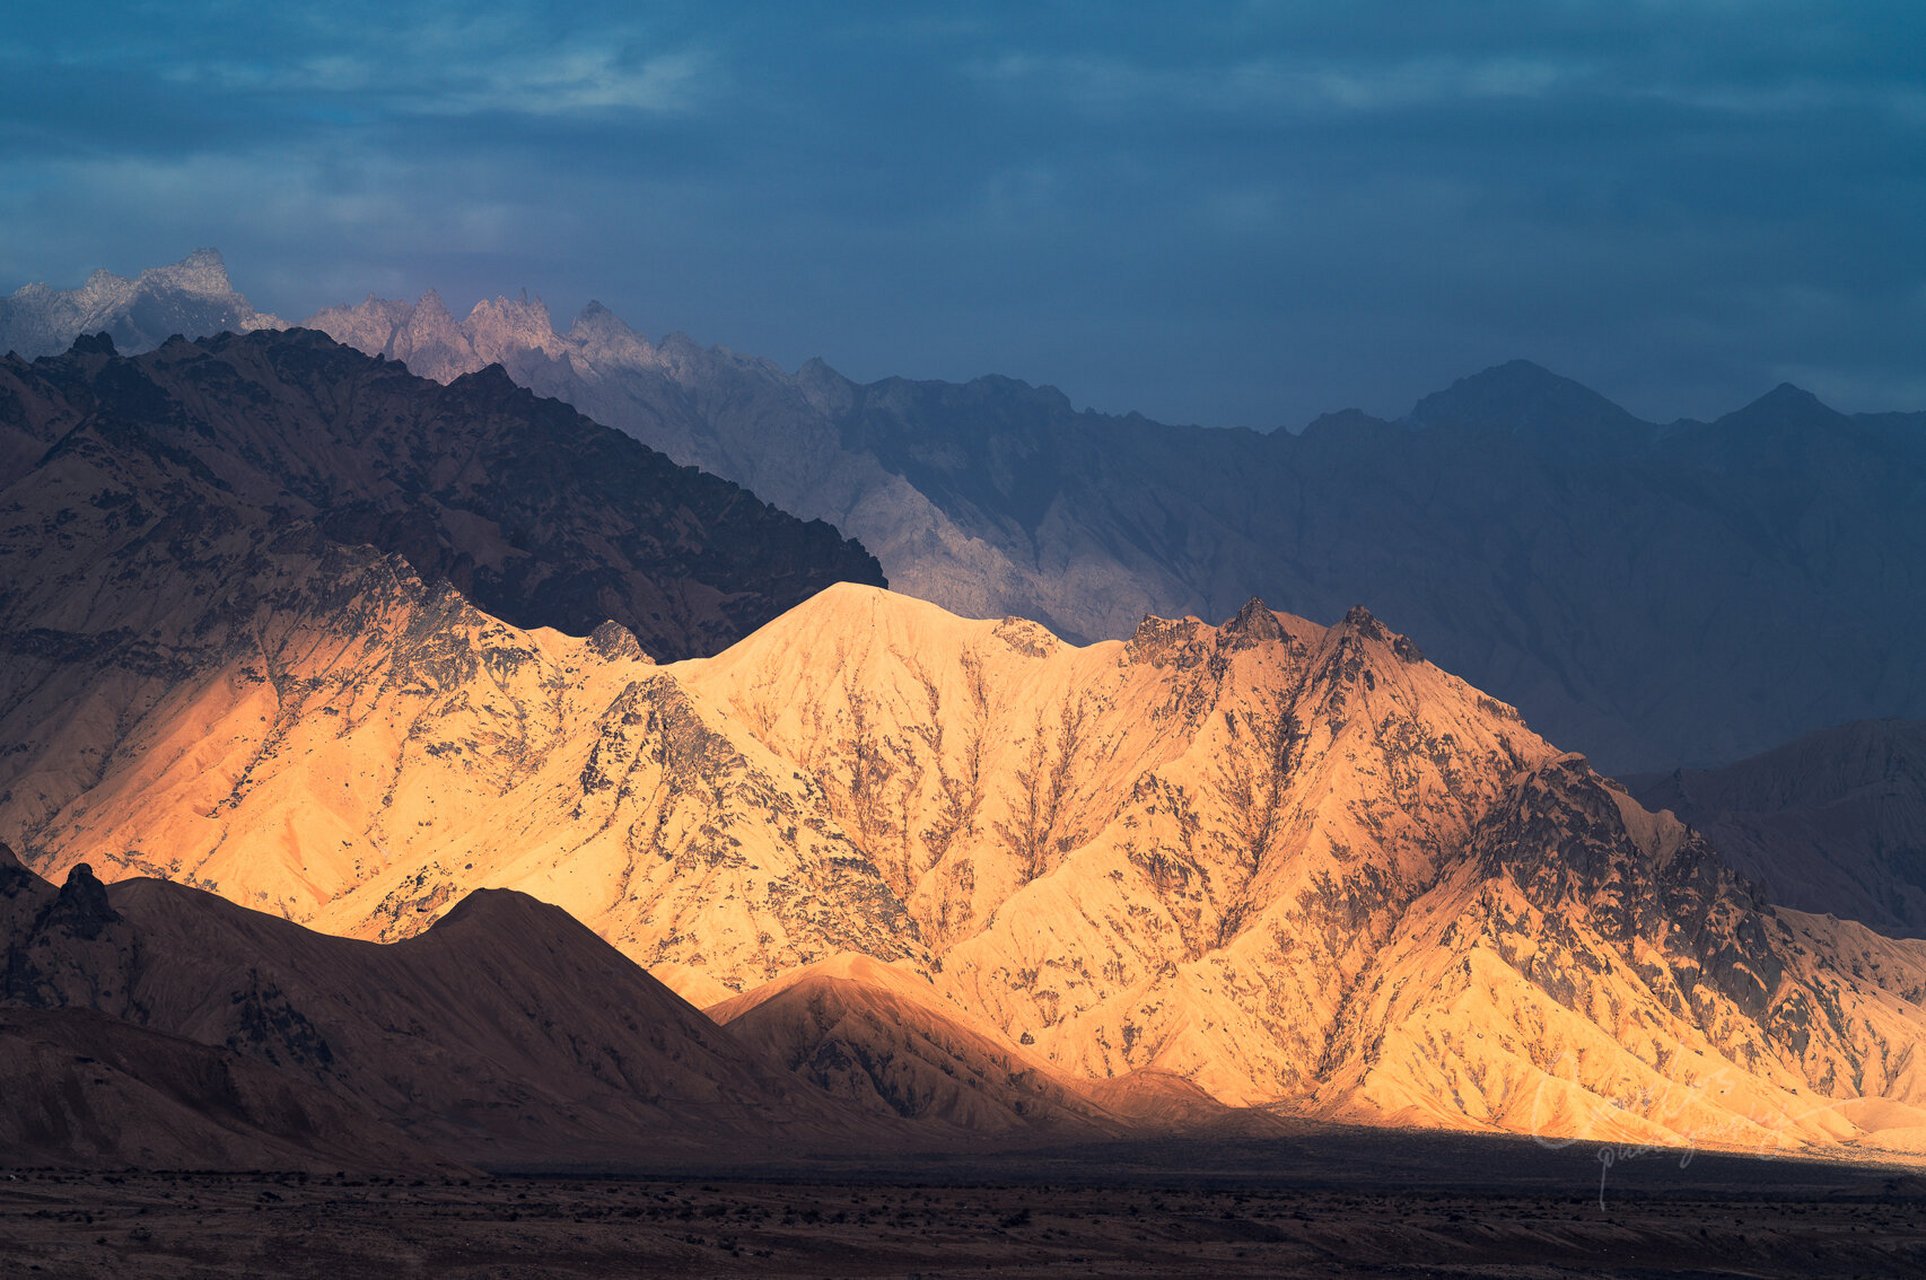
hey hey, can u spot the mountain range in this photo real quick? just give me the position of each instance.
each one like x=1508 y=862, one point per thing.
x=1280 y=864
x=1611 y=576
x=402 y=662
x=539 y=515
x=152 y=1024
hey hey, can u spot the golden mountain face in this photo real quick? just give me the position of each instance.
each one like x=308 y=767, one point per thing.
x=1296 y=866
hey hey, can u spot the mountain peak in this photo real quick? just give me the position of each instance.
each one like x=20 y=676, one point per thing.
x=1361 y=619
x=93 y=344
x=495 y=908
x=492 y=378
x=817 y=371
x=1785 y=405
x=205 y=260
x=1255 y=623
x=525 y=309
x=81 y=906
x=1522 y=399
x=1340 y=422
x=616 y=642
x=603 y=339
x=598 y=319
x=202 y=272
x=192 y=297
x=1362 y=622
x=1789 y=394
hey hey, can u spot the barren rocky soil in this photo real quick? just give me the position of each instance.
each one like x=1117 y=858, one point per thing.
x=1297 y=1207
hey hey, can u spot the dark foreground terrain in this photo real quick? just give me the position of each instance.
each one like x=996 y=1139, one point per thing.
x=1256 y=1208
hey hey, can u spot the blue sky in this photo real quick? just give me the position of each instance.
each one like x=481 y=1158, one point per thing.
x=1236 y=214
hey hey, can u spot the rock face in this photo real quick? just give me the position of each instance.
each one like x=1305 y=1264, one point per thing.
x=1609 y=575
x=1835 y=822
x=193 y=297
x=1292 y=865
x=529 y=509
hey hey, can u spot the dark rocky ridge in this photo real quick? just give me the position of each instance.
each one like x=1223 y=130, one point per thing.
x=506 y=1034
x=530 y=510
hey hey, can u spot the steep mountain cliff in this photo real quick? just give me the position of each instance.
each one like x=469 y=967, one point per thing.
x=1835 y=822
x=193 y=297
x=1608 y=575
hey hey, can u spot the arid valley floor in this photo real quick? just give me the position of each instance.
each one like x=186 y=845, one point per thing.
x=1323 y=1205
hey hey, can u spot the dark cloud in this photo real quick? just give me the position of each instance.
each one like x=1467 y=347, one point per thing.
x=1249 y=215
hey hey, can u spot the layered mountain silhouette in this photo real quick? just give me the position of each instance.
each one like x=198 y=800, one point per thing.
x=1834 y=822
x=1614 y=577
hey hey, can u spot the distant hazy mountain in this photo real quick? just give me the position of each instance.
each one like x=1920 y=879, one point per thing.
x=1650 y=594
x=1834 y=822
x=193 y=297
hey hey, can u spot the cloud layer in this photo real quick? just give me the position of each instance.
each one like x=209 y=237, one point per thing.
x=1247 y=216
